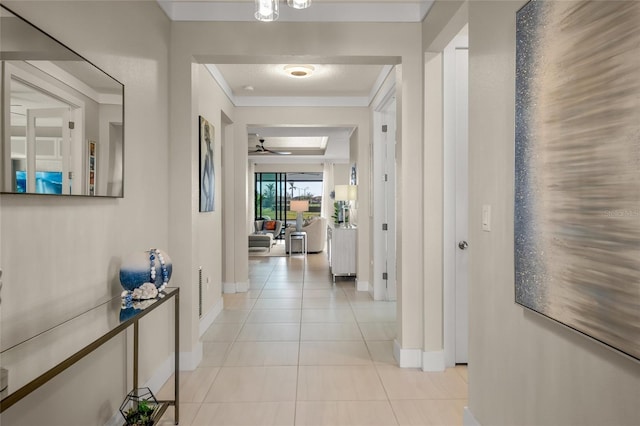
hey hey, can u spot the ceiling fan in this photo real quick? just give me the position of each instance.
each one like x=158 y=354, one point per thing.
x=260 y=149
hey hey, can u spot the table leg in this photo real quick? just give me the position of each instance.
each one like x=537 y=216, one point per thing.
x=135 y=355
x=176 y=365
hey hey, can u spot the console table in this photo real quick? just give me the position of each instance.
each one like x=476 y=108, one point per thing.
x=341 y=249
x=38 y=359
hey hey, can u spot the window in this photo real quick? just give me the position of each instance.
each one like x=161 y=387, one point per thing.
x=274 y=191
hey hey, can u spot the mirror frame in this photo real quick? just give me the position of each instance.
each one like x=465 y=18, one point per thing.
x=85 y=141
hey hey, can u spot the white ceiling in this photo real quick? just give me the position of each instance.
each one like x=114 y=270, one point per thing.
x=307 y=144
x=332 y=80
x=320 y=10
x=331 y=84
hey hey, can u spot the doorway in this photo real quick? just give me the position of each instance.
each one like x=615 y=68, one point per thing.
x=45 y=153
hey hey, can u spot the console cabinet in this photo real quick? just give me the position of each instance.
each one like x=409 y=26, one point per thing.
x=341 y=249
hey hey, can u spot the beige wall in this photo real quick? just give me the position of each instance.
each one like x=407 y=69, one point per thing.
x=241 y=41
x=341 y=174
x=62 y=251
x=212 y=104
x=433 y=205
x=523 y=369
x=444 y=21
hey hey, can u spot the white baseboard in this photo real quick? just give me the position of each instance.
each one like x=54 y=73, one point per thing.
x=209 y=317
x=189 y=361
x=239 y=287
x=468 y=419
x=362 y=285
x=243 y=287
x=433 y=361
x=407 y=358
x=161 y=375
x=228 y=287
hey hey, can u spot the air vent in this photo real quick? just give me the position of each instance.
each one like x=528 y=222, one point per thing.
x=200 y=292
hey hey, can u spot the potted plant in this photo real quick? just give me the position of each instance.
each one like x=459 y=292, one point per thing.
x=139 y=407
x=337 y=212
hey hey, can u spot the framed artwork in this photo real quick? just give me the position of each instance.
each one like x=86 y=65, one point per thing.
x=207 y=172
x=91 y=167
x=577 y=167
x=353 y=179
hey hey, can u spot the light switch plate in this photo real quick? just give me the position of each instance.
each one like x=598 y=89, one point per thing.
x=486 y=218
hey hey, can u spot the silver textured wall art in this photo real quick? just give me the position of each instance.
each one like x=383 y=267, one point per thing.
x=577 y=177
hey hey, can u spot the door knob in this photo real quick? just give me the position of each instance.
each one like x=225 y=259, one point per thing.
x=463 y=245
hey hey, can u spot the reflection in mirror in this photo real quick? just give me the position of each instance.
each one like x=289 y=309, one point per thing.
x=62 y=117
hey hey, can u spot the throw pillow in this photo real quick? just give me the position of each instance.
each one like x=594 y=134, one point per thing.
x=270 y=225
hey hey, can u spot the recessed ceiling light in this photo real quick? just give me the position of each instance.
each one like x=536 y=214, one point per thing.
x=299 y=71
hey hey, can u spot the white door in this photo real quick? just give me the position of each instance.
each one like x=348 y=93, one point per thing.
x=456 y=222
x=48 y=138
x=462 y=207
x=389 y=140
x=384 y=199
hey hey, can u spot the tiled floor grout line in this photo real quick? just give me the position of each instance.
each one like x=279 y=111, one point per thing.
x=295 y=402
x=375 y=367
x=232 y=343
x=331 y=302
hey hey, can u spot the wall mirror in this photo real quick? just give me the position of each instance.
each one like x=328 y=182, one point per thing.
x=62 y=118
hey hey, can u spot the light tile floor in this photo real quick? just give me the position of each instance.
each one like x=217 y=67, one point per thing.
x=298 y=350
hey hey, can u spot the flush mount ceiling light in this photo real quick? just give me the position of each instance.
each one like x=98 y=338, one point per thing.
x=299 y=71
x=299 y=4
x=266 y=10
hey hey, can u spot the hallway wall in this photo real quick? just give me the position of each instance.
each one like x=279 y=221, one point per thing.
x=200 y=42
x=523 y=369
x=59 y=252
x=212 y=103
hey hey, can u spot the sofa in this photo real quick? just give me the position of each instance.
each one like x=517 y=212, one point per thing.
x=261 y=240
x=316 y=229
x=272 y=227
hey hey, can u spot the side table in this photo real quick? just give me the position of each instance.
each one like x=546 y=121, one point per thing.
x=298 y=235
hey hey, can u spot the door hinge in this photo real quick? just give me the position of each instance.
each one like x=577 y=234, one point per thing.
x=386 y=177
x=385 y=227
x=384 y=128
x=72 y=125
x=385 y=276
x=70 y=175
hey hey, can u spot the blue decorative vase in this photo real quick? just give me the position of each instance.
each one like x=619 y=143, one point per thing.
x=136 y=269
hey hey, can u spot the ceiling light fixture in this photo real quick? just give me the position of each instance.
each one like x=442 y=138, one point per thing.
x=299 y=4
x=266 y=10
x=299 y=71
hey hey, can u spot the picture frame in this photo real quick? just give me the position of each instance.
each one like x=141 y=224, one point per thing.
x=353 y=178
x=577 y=174
x=92 y=163
x=207 y=169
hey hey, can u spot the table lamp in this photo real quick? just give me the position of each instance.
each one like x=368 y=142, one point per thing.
x=299 y=206
x=346 y=193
